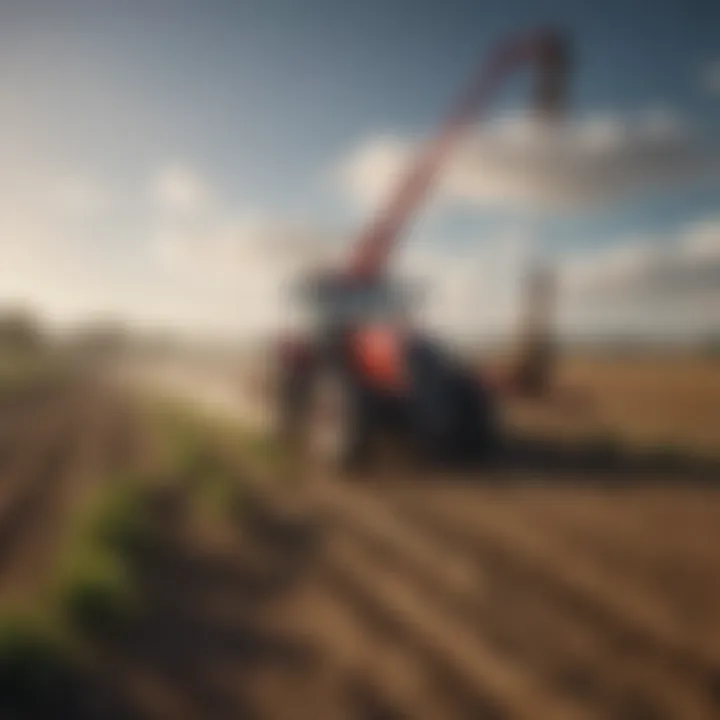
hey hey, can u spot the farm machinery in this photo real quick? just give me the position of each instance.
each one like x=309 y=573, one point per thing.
x=363 y=369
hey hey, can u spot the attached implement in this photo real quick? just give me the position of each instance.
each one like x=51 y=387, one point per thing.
x=363 y=369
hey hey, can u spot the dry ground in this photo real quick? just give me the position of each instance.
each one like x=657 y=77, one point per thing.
x=431 y=599
x=642 y=401
x=515 y=592
x=56 y=446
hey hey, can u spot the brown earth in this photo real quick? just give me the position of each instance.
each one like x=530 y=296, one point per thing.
x=55 y=447
x=649 y=400
x=504 y=593
x=432 y=601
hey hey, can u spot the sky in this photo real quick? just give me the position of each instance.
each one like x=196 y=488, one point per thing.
x=173 y=162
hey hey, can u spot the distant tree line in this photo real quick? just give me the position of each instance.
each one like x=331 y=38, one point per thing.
x=20 y=331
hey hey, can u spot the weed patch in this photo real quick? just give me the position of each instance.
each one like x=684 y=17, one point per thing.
x=96 y=584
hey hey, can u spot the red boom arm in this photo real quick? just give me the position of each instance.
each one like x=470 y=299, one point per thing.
x=548 y=51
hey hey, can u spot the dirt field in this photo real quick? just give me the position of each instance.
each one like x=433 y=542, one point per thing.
x=517 y=592
x=55 y=447
x=645 y=401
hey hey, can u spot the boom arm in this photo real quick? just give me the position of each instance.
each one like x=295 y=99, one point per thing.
x=548 y=51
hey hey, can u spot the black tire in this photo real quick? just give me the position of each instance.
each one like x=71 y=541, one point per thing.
x=292 y=391
x=429 y=410
x=477 y=433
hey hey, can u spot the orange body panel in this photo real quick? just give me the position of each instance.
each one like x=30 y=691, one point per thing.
x=377 y=350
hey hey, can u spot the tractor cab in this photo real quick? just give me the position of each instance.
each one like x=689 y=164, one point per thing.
x=338 y=302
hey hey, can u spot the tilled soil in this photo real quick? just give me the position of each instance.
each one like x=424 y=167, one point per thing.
x=435 y=600
x=54 y=449
x=482 y=596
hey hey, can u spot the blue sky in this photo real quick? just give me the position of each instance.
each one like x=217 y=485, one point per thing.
x=254 y=104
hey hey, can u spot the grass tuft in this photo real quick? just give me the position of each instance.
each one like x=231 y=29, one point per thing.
x=96 y=584
x=96 y=592
x=120 y=521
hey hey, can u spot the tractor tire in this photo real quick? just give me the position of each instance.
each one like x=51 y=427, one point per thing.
x=337 y=421
x=292 y=391
x=476 y=435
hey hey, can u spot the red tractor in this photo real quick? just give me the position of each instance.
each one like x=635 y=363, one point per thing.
x=363 y=369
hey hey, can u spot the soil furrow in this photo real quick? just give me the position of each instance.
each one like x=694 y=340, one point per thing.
x=502 y=687
x=617 y=616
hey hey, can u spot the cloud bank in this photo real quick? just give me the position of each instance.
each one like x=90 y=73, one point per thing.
x=189 y=262
x=519 y=164
x=660 y=285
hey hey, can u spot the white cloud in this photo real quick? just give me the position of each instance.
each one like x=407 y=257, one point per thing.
x=473 y=289
x=701 y=242
x=636 y=266
x=223 y=271
x=518 y=163
x=230 y=277
x=662 y=285
x=45 y=217
x=178 y=188
x=710 y=77
x=32 y=192
x=225 y=247
x=78 y=197
x=374 y=168
x=667 y=285
x=240 y=264
x=234 y=263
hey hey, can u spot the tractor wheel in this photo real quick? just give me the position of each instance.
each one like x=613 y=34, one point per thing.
x=292 y=391
x=337 y=422
x=473 y=433
x=478 y=430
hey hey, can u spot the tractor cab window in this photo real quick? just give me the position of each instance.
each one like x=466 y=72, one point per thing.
x=341 y=302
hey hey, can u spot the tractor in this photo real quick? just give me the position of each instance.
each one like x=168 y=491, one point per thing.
x=361 y=369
